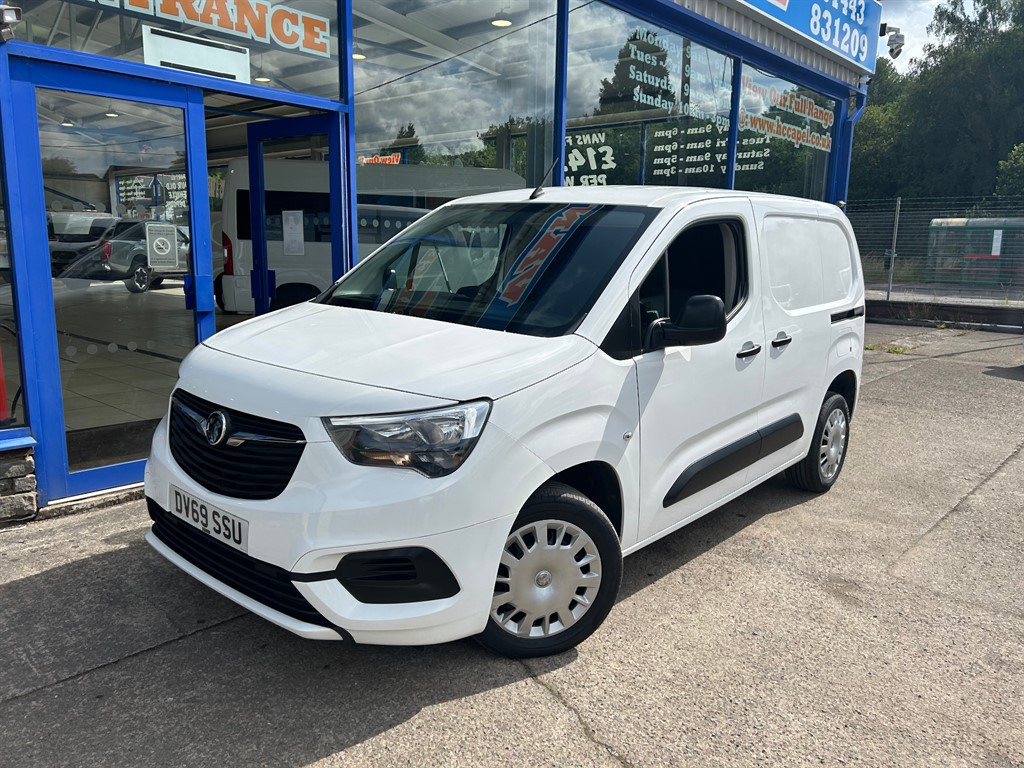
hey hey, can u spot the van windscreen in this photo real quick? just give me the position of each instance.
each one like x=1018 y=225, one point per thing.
x=531 y=268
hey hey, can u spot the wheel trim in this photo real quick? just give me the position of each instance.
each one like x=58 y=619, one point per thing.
x=140 y=277
x=833 y=444
x=548 y=577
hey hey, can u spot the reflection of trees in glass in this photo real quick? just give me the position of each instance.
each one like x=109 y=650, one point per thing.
x=59 y=166
x=408 y=142
x=766 y=163
x=640 y=81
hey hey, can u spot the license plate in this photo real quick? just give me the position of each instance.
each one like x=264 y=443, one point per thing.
x=224 y=527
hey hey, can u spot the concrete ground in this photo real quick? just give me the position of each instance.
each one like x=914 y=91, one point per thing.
x=879 y=624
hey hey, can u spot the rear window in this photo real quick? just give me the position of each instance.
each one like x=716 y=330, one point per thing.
x=531 y=268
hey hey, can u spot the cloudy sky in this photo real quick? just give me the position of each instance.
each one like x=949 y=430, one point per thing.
x=912 y=17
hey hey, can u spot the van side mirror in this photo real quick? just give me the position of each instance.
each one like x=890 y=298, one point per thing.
x=701 y=322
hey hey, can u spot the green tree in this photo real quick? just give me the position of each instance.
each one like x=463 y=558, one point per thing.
x=1010 y=179
x=876 y=166
x=942 y=130
x=408 y=142
x=887 y=84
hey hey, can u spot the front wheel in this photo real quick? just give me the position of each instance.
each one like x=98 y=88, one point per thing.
x=820 y=468
x=558 y=576
x=140 y=279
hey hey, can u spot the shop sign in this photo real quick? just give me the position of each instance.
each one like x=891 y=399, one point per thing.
x=257 y=20
x=161 y=245
x=771 y=126
x=681 y=149
x=393 y=159
x=588 y=155
x=847 y=28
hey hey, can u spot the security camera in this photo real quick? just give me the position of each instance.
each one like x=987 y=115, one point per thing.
x=895 y=41
x=10 y=17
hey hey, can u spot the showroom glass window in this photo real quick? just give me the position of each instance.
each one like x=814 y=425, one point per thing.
x=785 y=138
x=12 y=401
x=292 y=46
x=645 y=105
x=447 y=104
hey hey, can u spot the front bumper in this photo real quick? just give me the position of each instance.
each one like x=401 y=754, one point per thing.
x=332 y=509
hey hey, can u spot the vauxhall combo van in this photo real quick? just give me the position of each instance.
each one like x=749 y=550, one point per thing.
x=465 y=434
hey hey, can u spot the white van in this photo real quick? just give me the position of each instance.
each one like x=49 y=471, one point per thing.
x=466 y=434
x=390 y=197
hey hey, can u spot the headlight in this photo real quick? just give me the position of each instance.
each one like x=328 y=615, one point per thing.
x=434 y=443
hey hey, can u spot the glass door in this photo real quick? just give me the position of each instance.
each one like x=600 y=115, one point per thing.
x=119 y=241
x=295 y=209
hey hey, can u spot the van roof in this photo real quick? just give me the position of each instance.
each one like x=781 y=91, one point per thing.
x=649 y=196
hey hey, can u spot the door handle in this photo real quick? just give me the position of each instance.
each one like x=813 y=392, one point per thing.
x=748 y=352
x=781 y=341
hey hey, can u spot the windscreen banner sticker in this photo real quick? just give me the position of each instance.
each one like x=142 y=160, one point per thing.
x=421 y=282
x=541 y=251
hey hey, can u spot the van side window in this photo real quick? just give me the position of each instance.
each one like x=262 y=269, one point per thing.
x=707 y=258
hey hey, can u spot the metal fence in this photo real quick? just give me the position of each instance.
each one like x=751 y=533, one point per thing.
x=966 y=251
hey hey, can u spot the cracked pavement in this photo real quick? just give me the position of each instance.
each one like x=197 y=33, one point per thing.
x=879 y=624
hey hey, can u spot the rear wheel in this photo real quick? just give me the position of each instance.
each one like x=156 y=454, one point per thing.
x=820 y=468
x=558 y=576
x=141 y=278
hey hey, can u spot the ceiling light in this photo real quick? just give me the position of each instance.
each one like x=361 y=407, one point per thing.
x=66 y=123
x=261 y=76
x=113 y=113
x=358 y=54
x=501 y=20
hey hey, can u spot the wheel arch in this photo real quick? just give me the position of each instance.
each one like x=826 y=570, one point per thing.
x=845 y=384
x=598 y=481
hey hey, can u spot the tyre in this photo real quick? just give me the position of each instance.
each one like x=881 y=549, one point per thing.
x=558 y=577
x=820 y=468
x=140 y=279
x=155 y=282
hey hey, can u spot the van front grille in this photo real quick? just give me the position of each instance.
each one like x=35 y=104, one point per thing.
x=254 y=460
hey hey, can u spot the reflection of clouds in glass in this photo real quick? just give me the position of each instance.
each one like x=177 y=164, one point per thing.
x=90 y=159
x=596 y=35
x=753 y=104
x=757 y=87
x=452 y=101
x=429 y=108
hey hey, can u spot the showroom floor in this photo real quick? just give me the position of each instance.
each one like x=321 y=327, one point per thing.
x=119 y=357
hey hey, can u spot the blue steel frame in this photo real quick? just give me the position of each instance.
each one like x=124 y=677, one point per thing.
x=25 y=66
x=19 y=144
x=30 y=261
x=328 y=124
x=746 y=52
